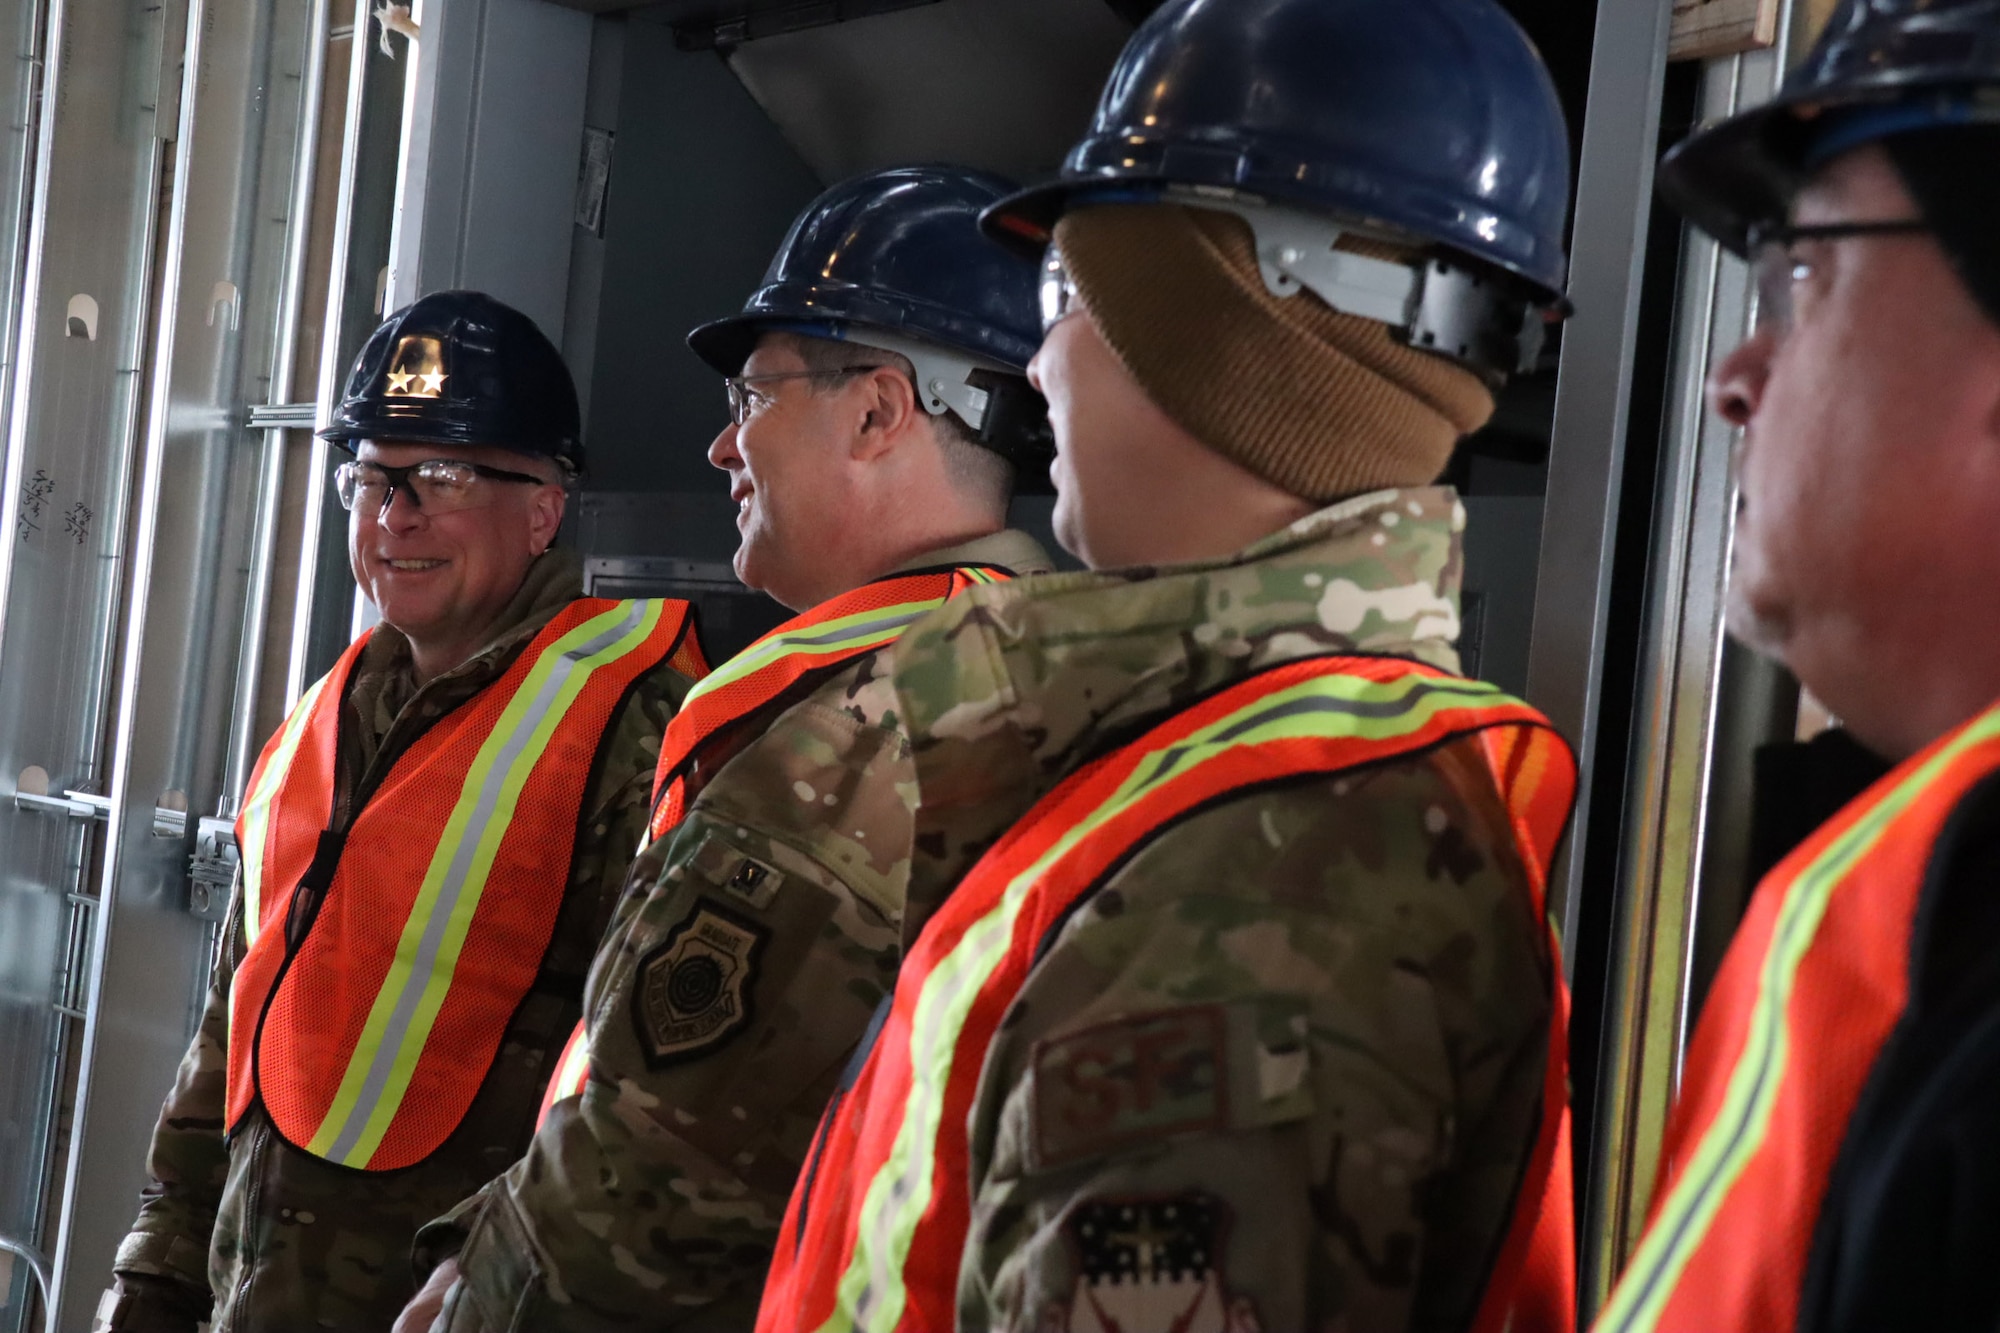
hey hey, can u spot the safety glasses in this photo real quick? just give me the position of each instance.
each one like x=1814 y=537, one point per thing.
x=1058 y=293
x=744 y=400
x=436 y=485
x=1777 y=267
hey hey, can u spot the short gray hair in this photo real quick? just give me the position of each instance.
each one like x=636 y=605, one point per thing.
x=977 y=472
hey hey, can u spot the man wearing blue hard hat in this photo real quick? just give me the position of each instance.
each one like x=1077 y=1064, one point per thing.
x=431 y=847
x=1831 y=1162
x=1233 y=1005
x=878 y=415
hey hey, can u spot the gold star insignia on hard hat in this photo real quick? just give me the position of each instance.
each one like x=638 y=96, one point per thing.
x=417 y=369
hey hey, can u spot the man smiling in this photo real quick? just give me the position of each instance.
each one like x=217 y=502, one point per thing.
x=431 y=846
x=878 y=411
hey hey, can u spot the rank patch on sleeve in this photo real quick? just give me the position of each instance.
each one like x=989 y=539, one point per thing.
x=1128 y=1081
x=1152 y=1263
x=693 y=990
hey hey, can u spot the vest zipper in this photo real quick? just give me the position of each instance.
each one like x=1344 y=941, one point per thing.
x=311 y=891
x=260 y=1143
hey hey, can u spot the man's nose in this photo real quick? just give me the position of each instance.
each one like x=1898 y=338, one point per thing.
x=722 y=449
x=1736 y=387
x=399 y=512
x=1035 y=367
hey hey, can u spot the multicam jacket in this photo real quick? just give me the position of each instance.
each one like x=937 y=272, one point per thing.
x=1362 y=948
x=280 y=1240
x=652 y=1199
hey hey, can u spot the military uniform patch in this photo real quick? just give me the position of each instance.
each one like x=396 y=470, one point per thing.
x=1151 y=1263
x=693 y=990
x=1130 y=1080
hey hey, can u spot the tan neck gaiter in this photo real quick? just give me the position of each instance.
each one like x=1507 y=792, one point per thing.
x=1322 y=404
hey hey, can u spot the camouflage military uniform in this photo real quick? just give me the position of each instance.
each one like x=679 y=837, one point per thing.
x=652 y=1199
x=1361 y=952
x=283 y=1240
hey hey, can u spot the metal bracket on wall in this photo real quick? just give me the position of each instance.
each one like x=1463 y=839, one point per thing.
x=89 y=807
x=724 y=32
x=213 y=873
x=283 y=416
x=79 y=805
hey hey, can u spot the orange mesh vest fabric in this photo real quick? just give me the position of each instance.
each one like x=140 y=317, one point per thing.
x=874 y=1234
x=385 y=960
x=789 y=661
x=1813 y=983
x=783 y=665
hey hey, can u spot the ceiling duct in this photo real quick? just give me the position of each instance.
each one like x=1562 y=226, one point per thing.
x=1007 y=85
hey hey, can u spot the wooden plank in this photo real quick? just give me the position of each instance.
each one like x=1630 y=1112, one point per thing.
x=1703 y=29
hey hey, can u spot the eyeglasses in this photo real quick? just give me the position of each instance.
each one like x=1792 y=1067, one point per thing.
x=744 y=400
x=1058 y=292
x=1777 y=268
x=436 y=485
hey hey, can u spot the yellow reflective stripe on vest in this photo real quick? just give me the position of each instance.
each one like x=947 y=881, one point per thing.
x=1321 y=706
x=1736 y=1133
x=842 y=634
x=399 y=1022
x=257 y=808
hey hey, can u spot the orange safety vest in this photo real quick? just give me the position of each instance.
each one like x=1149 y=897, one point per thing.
x=782 y=666
x=875 y=1232
x=790 y=661
x=386 y=958
x=1813 y=984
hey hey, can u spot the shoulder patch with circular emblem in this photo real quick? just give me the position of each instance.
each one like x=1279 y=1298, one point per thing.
x=693 y=989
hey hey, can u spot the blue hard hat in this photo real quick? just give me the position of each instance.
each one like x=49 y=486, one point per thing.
x=899 y=251
x=1431 y=120
x=461 y=368
x=1880 y=67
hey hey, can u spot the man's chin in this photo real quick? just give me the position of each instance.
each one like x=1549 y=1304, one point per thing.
x=413 y=615
x=746 y=567
x=1067 y=525
x=1761 y=629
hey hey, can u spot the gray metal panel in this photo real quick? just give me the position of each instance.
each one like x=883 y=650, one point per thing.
x=201 y=476
x=703 y=187
x=364 y=224
x=1502 y=536
x=32 y=920
x=496 y=128
x=70 y=444
x=1684 y=758
x=1614 y=200
x=586 y=256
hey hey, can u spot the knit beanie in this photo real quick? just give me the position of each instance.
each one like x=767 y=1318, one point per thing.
x=1320 y=403
x=1953 y=173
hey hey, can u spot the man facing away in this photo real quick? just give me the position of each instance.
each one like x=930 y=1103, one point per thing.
x=1830 y=1163
x=1233 y=1005
x=431 y=847
x=877 y=406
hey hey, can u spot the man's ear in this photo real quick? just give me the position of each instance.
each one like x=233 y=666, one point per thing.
x=545 y=516
x=890 y=405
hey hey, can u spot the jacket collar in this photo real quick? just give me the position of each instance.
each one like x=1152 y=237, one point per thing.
x=1009 y=548
x=1010 y=687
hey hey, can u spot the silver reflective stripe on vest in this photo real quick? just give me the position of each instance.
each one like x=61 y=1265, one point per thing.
x=404 y=1011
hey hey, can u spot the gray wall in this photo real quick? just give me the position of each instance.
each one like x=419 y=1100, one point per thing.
x=702 y=190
